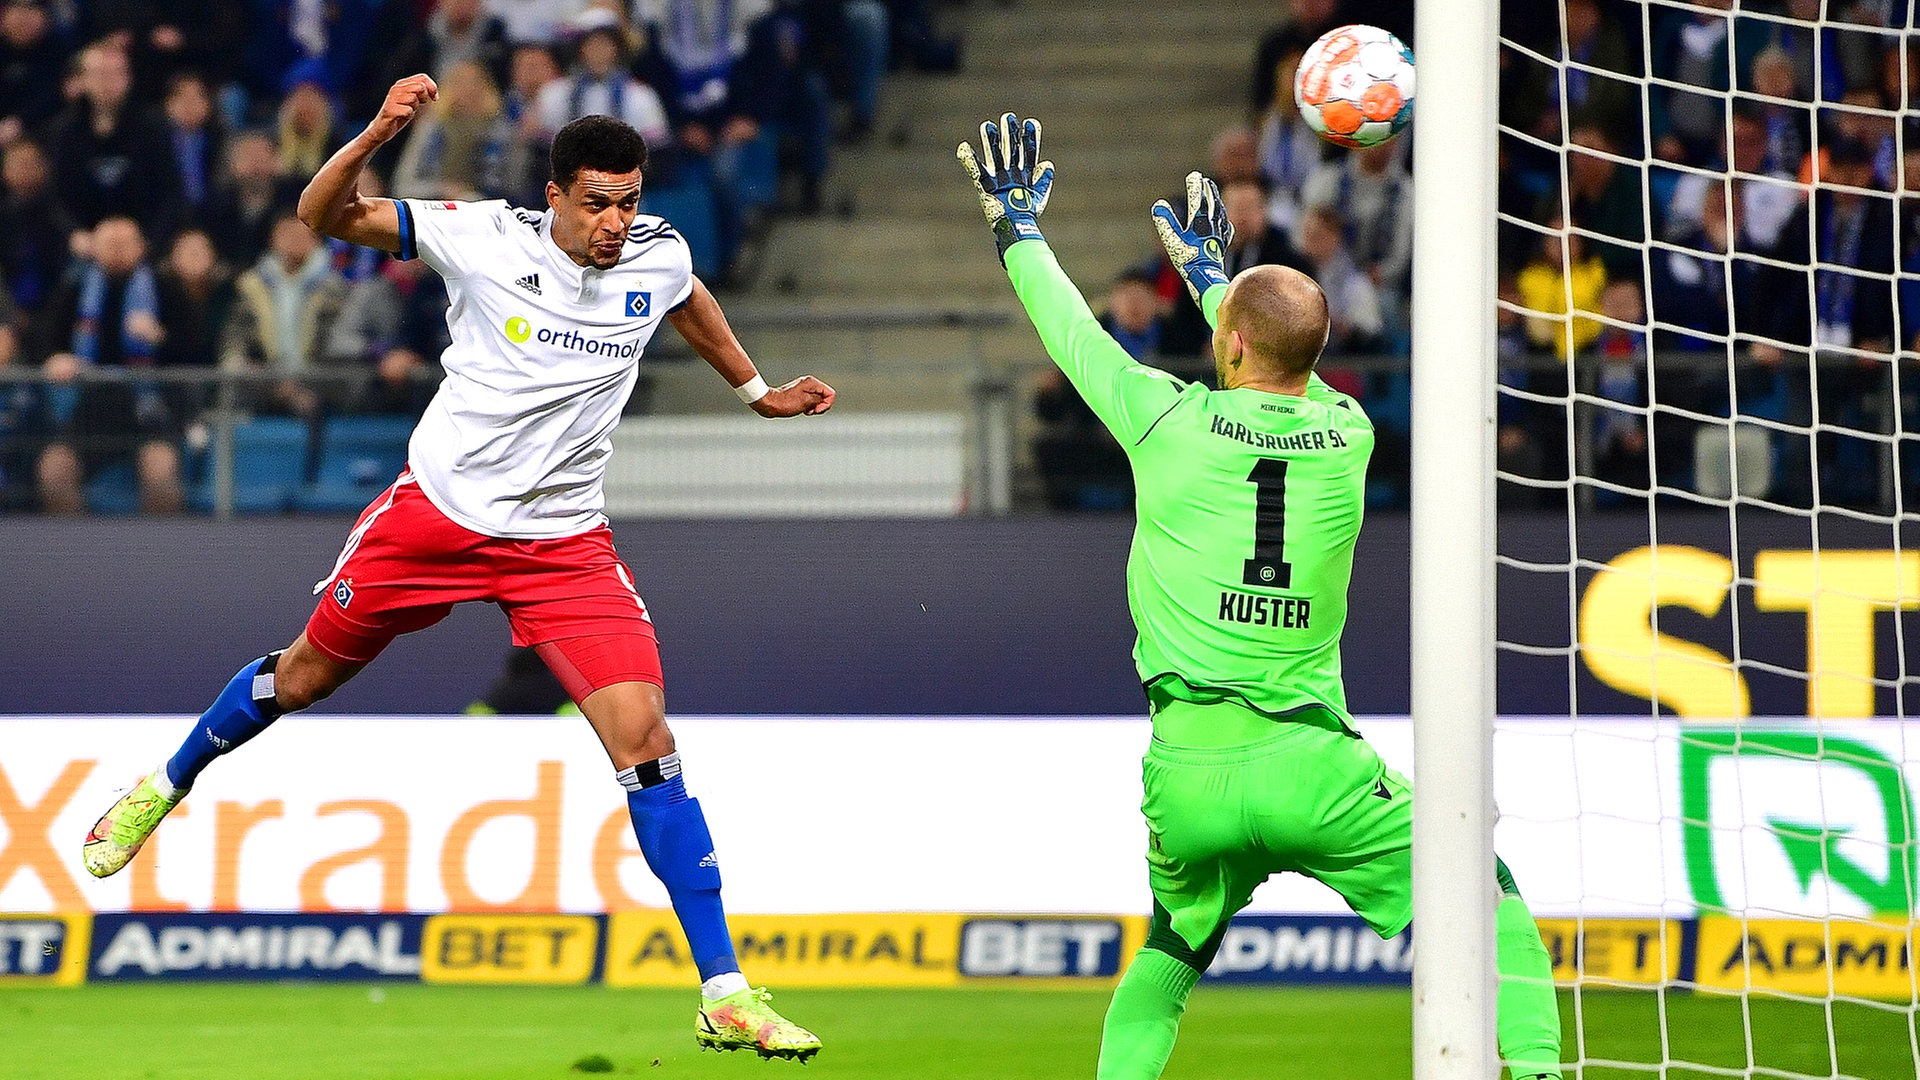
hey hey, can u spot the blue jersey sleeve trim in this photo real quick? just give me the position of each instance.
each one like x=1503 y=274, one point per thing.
x=407 y=248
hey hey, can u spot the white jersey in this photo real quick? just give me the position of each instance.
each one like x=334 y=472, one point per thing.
x=544 y=356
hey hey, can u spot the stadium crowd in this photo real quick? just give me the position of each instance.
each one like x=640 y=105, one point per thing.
x=1727 y=280
x=151 y=152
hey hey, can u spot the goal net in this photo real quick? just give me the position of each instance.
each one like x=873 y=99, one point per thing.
x=1709 y=296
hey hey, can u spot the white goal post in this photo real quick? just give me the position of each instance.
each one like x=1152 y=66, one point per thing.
x=1452 y=665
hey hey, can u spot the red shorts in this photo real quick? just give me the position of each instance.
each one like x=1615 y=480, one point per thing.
x=406 y=564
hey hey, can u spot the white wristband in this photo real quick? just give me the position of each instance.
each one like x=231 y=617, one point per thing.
x=752 y=390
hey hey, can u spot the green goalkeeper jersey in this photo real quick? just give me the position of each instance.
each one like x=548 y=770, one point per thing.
x=1248 y=507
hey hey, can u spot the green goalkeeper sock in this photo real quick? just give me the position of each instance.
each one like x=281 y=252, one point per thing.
x=1529 y=1014
x=1144 y=1018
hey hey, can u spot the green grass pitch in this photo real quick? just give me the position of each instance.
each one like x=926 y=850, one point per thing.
x=294 y=1031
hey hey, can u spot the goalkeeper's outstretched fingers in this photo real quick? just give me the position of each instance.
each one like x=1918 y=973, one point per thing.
x=1196 y=246
x=1012 y=182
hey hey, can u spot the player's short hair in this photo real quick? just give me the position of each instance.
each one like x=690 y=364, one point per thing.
x=601 y=143
x=1281 y=314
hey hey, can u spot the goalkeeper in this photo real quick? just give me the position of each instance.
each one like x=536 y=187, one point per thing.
x=1249 y=503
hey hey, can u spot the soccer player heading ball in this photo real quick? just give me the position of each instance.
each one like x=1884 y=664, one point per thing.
x=501 y=500
x=1249 y=504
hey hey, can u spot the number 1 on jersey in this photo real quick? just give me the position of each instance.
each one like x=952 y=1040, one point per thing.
x=1269 y=568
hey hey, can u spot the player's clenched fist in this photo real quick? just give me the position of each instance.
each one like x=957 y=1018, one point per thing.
x=407 y=97
x=804 y=396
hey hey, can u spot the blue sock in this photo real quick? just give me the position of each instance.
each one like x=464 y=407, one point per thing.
x=243 y=710
x=673 y=836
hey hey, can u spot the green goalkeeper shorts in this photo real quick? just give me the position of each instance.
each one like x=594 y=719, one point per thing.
x=1303 y=796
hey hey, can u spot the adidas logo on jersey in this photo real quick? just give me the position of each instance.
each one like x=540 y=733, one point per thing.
x=531 y=283
x=710 y=861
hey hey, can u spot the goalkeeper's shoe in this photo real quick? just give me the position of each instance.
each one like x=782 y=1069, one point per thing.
x=745 y=1021
x=117 y=836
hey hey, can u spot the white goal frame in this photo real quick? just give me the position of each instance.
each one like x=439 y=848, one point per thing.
x=1452 y=663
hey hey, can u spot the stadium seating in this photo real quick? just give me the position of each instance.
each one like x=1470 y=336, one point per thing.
x=113 y=490
x=272 y=458
x=359 y=457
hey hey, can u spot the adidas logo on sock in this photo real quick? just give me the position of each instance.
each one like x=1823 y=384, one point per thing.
x=710 y=861
x=531 y=283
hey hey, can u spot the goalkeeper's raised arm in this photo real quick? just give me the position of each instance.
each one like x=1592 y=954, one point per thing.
x=1013 y=185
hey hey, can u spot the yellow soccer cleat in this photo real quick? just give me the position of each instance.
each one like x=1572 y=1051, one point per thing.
x=744 y=1021
x=117 y=836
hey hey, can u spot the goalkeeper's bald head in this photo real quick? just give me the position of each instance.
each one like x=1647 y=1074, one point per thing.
x=1272 y=327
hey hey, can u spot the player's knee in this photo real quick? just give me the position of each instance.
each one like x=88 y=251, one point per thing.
x=303 y=678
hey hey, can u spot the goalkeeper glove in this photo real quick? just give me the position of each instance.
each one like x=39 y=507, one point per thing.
x=1012 y=180
x=1198 y=248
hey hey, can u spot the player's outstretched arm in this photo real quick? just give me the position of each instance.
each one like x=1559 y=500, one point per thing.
x=332 y=204
x=1013 y=185
x=704 y=325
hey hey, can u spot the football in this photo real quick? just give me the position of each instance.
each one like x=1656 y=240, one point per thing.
x=1355 y=86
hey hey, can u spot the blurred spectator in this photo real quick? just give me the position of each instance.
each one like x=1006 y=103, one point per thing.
x=198 y=143
x=1561 y=268
x=1767 y=197
x=109 y=317
x=719 y=93
x=166 y=37
x=1353 y=302
x=393 y=323
x=1837 y=252
x=458 y=148
x=1235 y=153
x=1081 y=466
x=1690 y=280
x=532 y=21
x=1796 y=45
x=293 y=41
x=34 y=228
x=457 y=31
x=396 y=324
x=245 y=207
x=307 y=131
x=1256 y=240
x=196 y=293
x=1860 y=52
x=1593 y=40
x=284 y=309
x=799 y=117
x=1525 y=428
x=1301 y=22
x=399 y=386
x=1789 y=128
x=1694 y=48
x=23 y=422
x=1606 y=199
x=1851 y=234
x=1863 y=118
x=1288 y=149
x=109 y=155
x=1618 y=361
x=524 y=171
x=1373 y=195
x=852 y=39
x=30 y=65
x=599 y=83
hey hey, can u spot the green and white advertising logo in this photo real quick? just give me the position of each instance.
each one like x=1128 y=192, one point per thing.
x=520 y=331
x=1796 y=821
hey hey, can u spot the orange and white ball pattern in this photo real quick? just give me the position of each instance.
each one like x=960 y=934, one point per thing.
x=1355 y=86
